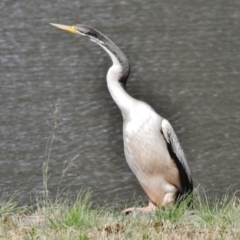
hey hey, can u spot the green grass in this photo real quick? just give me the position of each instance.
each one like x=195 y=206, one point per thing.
x=68 y=219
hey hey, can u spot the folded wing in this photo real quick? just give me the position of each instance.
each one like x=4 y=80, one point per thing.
x=177 y=154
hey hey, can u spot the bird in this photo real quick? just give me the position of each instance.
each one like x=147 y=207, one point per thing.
x=152 y=149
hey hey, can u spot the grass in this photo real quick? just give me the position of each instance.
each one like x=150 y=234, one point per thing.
x=68 y=219
x=58 y=218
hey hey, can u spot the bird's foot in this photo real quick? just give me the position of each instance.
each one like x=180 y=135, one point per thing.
x=128 y=210
x=150 y=208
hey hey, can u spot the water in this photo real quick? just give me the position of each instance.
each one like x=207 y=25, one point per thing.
x=184 y=62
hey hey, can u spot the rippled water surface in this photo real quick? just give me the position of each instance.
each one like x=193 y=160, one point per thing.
x=185 y=59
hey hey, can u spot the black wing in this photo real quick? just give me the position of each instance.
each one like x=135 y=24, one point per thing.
x=177 y=154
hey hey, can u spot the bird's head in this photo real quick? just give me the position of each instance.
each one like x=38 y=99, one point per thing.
x=82 y=30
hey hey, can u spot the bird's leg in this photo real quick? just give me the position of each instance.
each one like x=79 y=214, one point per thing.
x=150 y=208
x=168 y=198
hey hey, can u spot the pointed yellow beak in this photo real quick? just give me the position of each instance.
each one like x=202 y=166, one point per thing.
x=71 y=29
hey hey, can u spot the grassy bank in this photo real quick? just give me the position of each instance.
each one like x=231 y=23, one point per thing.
x=63 y=219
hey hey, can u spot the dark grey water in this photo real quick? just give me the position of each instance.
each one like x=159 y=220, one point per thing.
x=185 y=58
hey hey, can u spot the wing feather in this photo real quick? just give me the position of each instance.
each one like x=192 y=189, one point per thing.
x=177 y=154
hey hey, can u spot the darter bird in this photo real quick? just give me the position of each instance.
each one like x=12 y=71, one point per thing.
x=151 y=147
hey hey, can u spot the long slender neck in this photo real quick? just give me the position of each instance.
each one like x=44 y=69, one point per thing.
x=117 y=74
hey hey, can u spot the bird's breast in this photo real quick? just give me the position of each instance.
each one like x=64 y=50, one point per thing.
x=144 y=144
x=146 y=151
